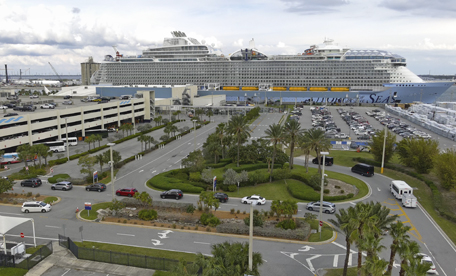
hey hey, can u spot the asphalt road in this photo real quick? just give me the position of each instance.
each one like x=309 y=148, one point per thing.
x=280 y=258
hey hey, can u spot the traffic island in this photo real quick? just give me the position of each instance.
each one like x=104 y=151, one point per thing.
x=16 y=199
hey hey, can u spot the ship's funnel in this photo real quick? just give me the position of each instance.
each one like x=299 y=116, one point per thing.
x=252 y=44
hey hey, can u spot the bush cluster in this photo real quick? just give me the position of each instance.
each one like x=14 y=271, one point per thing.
x=148 y=214
x=32 y=172
x=300 y=233
x=209 y=219
x=166 y=181
x=58 y=177
x=258 y=220
x=287 y=224
x=304 y=192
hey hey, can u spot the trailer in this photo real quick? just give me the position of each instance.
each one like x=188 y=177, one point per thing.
x=409 y=200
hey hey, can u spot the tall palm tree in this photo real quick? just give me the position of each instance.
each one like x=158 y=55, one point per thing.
x=214 y=149
x=306 y=146
x=292 y=131
x=24 y=153
x=210 y=114
x=46 y=155
x=275 y=134
x=407 y=251
x=156 y=120
x=318 y=142
x=142 y=139
x=238 y=127
x=221 y=133
x=199 y=112
x=173 y=129
x=101 y=159
x=398 y=232
x=88 y=140
x=373 y=246
x=348 y=229
x=150 y=139
x=374 y=267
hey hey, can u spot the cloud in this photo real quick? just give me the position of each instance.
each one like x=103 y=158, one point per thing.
x=440 y=8
x=76 y=10
x=426 y=45
x=239 y=43
x=314 y=6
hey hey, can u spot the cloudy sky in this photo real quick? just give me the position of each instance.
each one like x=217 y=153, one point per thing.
x=66 y=33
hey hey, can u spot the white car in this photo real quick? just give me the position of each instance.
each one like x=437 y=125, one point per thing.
x=3 y=107
x=341 y=136
x=34 y=96
x=427 y=259
x=249 y=199
x=47 y=106
x=35 y=206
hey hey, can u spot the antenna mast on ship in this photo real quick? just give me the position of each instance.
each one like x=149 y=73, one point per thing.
x=118 y=55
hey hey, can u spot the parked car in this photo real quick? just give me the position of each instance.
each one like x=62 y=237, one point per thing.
x=102 y=101
x=126 y=192
x=106 y=98
x=3 y=107
x=99 y=187
x=67 y=97
x=32 y=182
x=341 y=136
x=10 y=114
x=35 y=206
x=329 y=161
x=363 y=169
x=426 y=259
x=63 y=185
x=328 y=207
x=249 y=199
x=222 y=197
x=34 y=96
x=47 y=106
x=10 y=105
x=174 y=193
x=96 y=100
x=67 y=102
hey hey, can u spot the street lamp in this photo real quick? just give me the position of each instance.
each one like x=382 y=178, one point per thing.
x=254 y=202
x=245 y=108
x=194 y=136
x=254 y=96
x=112 y=169
x=384 y=136
x=324 y=153
x=67 y=145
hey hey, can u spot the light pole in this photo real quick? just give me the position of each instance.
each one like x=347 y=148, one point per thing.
x=254 y=96
x=384 y=136
x=346 y=99
x=324 y=153
x=112 y=169
x=245 y=100
x=67 y=145
x=194 y=136
x=254 y=202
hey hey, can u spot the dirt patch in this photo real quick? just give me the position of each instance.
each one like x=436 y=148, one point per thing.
x=337 y=187
x=19 y=198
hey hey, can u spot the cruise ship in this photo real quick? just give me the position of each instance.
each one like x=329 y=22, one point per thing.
x=325 y=72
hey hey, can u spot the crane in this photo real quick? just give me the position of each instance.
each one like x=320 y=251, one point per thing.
x=118 y=55
x=53 y=69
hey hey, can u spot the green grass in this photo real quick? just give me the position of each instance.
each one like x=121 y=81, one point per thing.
x=108 y=178
x=58 y=176
x=161 y=273
x=93 y=213
x=174 y=255
x=352 y=271
x=326 y=232
x=50 y=199
x=276 y=190
x=32 y=250
x=10 y=271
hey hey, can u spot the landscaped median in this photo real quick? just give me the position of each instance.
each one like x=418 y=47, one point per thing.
x=16 y=199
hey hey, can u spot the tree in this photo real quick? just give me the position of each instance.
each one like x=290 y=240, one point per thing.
x=214 y=149
x=275 y=135
x=207 y=175
x=408 y=251
x=230 y=177
x=124 y=128
x=164 y=138
x=173 y=129
x=194 y=161
x=286 y=207
x=207 y=199
x=157 y=120
x=25 y=153
x=377 y=145
x=115 y=156
x=256 y=177
x=374 y=267
x=177 y=113
x=317 y=142
x=142 y=139
x=238 y=127
x=221 y=132
x=88 y=140
x=129 y=128
x=292 y=131
x=5 y=185
x=99 y=138
x=40 y=150
x=444 y=165
x=398 y=232
x=418 y=153
x=46 y=155
x=149 y=140
x=306 y=147
x=116 y=205
x=210 y=114
x=87 y=163
x=101 y=159
x=199 y=113
x=144 y=199
x=344 y=226
x=145 y=127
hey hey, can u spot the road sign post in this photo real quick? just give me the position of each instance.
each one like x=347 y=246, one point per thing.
x=22 y=235
x=88 y=207
x=95 y=175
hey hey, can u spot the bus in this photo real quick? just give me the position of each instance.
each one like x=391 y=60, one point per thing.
x=10 y=158
x=400 y=188
x=72 y=141
x=56 y=146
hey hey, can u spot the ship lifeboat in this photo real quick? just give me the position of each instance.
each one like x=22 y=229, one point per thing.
x=279 y=88
x=318 y=89
x=298 y=89
x=337 y=89
x=231 y=88
x=249 y=88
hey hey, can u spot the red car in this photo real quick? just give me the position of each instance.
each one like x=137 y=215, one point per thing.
x=126 y=192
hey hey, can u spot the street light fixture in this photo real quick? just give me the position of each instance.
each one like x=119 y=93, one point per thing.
x=384 y=136
x=67 y=145
x=254 y=202
x=245 y=106
x=323 y=153
x=112 y=169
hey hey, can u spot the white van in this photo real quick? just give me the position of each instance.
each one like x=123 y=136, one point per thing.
x=72 y=141
x=35 y=206
x=399 y=188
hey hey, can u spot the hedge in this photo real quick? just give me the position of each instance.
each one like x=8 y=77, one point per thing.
x=163 y=181
x=302 y=191
x=58 y=176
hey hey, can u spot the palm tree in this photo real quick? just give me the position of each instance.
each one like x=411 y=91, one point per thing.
x=238 y=127
x=142 y=138
x=275 y=134
x=129 y=128
x=318 y=142
x=24 y=153
x=210 y=114
x=214 y=149
x=373 y=246
x=306 y=146
x=99 y=139
x=88 y=140
x=374 y=267
x=407 y=251
x=173 y=129
x=177 y=113
x=199 y=112
x=156 y=120
x=160 y=118
x=398 y=232
x=101 y=159
x=221 y=132
x=46 y=155
x=292 y=131
x=348 y=229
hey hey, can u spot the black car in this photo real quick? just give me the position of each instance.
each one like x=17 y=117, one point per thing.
x=10 y=114
x=10 y=105
x=67 y=97
x=32 y=182
x=329 y=161
x=106 y=98
x=174 y=193
x=222 y=197
x=99 y=187
x=103 y=101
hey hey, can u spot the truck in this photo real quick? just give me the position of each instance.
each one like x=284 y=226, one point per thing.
x=409 y=200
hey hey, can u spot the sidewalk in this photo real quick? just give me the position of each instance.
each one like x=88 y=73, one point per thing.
x=62 y=257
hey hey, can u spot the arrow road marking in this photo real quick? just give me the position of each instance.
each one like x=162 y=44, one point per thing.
x=306 y=248
x=350 y=259
x=378 y=189
x=310 y=263
x=201 y=242
x=156 y=242
x=336 y=260
x=292 y=255
x=141 y=170
x=396 y=265
x=163 y=234
x=352 y=203
x=120 y=234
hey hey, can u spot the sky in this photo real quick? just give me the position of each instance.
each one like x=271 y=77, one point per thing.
x=65 y=33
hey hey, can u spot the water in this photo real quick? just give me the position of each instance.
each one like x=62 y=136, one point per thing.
x=47 y=77
x=449 y=95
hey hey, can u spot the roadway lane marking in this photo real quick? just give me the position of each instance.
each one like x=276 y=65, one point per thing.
x=230 y=204
x=336 y=260
x=435 y=260
x=154 y=171
x=352 y=203
x=345 y=248
x=308 y=260
x=31 y=237
x=141 y=170
x=201 y=242
x=50 y=226
x=350 y=259
x=378 y=189
x=12 y=213
x=121 y=234
x=292 y=256
x=66 y=272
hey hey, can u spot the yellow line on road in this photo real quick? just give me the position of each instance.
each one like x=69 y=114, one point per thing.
x=413 y=231
x=251 y=131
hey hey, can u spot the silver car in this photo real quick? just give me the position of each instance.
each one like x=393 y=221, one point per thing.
x=63 y=185
x=328 y=207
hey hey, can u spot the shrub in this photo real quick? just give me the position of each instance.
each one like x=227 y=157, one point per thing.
x=195 y=176
x=238 y=211
x=37 y=195
x=342 y=191
x=174 y=226
x=213 y=221
x=287 y=224
x=148 y=214
x=256 y=212
x=208 y=229
x=326 y=191
x=58 y=177
x=232 y=188
x=337 y=187
x=232 y=211
x=166 y=181
x=244 y=212
x=204 y=218
x=190 y=209
x=258 y=220
x=29 y=194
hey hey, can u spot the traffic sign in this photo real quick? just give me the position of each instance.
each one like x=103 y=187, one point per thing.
x=88 y=205
x=26 y=168
x=321 y=223
x=22 y=235
x=52 y=170
x=95 y=174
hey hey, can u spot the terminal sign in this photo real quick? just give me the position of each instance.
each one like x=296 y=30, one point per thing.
x=88 y=206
